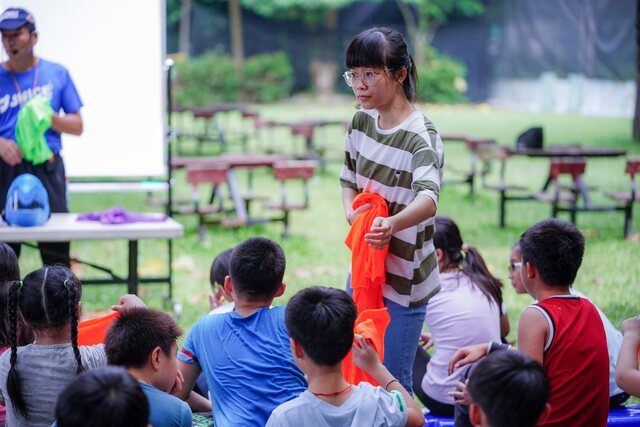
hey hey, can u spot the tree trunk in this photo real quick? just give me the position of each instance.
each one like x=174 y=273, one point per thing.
x=237 y=44
x=636 y=117
x=184 y=39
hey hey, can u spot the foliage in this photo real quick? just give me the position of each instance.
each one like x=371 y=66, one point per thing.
x=439 y=80
x=205 y=79
x=211 y=78
x=267 y=77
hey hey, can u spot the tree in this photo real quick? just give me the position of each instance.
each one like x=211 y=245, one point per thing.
x=423 y=18
x=636 y=116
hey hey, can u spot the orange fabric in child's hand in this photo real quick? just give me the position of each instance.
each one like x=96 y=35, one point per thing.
x=94 y=331
x=371 y=324
x=367 y=264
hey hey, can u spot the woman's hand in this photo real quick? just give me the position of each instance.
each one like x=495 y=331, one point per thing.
x=128 y=301
x=380 y=233
x=461 y=395
x=426 y=340
x=351 y=216
x=467 y=355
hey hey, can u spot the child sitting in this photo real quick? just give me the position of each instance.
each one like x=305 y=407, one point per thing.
x=508 y=389
x=32 y=376
x=467 y=310
x=9 y=272
x=320 y=322
x=627 y=373
x=103 y=397
x=144 y=342
x=614 y=338
x=220 y=270
x=245 y=353
x=562 y=331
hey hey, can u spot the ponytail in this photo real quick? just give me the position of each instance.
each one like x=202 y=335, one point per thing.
x=410 y=83
x=73 y=316
x=13 y=379
x=475 y=267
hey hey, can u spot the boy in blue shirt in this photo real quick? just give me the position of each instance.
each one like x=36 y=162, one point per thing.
x=144 y=341
x=245 y=353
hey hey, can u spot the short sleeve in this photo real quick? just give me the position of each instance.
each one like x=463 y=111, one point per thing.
x=188 y=353
x=348 y=173
x=275 y=421
x=186 y=419
x=393 y=409
x=69 y=97
x=427 y=172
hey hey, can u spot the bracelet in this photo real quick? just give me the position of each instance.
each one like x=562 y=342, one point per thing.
x=391 y=381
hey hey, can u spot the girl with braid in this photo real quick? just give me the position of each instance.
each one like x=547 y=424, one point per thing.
x=32 y=376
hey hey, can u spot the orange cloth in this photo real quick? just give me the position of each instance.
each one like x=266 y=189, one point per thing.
x=367 y=264
x=94 y=331
x=367 y=277
x=371 y=324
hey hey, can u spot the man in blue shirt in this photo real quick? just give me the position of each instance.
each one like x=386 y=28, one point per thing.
x=22 y=77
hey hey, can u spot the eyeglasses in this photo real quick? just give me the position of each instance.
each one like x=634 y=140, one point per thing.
x=367 y=78
x=514 y=264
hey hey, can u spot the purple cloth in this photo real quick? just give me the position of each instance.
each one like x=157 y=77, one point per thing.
x=119 y=216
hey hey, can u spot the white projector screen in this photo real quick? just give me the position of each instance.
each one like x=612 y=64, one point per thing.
x=114 y=51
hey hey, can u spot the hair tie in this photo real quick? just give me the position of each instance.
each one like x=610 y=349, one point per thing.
x=465 y=248
x=20 y=284
x=65 y=283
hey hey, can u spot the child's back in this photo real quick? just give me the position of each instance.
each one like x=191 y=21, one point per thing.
x=44 y=370
x=576 y=361
x=248 y=364
x=367 y=406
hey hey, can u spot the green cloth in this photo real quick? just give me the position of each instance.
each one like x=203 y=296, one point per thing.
x=34 y=119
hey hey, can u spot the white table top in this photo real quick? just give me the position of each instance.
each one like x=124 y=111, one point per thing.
x=65 y=227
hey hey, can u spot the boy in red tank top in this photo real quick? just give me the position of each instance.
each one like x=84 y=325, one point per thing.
x=561 y=331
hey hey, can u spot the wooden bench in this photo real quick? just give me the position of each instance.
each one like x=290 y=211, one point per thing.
x=285 y=172
x=628 y=198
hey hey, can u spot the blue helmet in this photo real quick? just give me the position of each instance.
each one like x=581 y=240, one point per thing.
x=27 y=202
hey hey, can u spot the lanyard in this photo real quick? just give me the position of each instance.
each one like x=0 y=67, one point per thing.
x=17 y=85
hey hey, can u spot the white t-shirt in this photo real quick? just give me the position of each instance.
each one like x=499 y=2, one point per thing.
x=367 y=406
x=459 y=315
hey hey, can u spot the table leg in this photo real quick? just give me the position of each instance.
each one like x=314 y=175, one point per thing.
x=236 y=196
x=132 y=279
x=583 y=188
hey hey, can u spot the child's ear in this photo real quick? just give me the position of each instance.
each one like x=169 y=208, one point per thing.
x=154 y=358
x=475 y=414
x=544 y=414
x=280 y=290
x=227 y=285
x=531 y=270
x=296 y=349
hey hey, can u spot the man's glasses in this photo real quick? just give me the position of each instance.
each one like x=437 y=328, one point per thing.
x=514 y=264
x=367 y=78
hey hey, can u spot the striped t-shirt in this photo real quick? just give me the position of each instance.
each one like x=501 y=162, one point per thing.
x=399 y=164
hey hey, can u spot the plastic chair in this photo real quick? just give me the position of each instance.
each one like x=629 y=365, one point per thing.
x=564 y=198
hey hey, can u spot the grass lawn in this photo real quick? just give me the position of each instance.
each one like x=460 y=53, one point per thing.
x=316 y=253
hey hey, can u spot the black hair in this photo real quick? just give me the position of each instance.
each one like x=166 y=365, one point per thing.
x=257 y=268
x=48 y=300
x=10 y=272
x=555 y=248
x=103 y=397
x=448 y=239
x=382 y=47
x=511 y=388
x=136 y=333
x=321 y=320
x=220 y=268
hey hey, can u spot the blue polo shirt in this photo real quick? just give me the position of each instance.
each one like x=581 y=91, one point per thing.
x=46 y=78
x=247 y=362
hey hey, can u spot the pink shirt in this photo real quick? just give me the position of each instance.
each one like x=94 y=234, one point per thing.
x=457 y=316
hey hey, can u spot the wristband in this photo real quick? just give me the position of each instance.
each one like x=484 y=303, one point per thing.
x=391 y=381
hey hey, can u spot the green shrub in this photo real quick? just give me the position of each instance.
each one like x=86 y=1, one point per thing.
x=441 y=79
x=211 y=78
x=267 y=77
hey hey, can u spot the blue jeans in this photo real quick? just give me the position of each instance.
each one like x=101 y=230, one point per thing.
x=401 y=339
